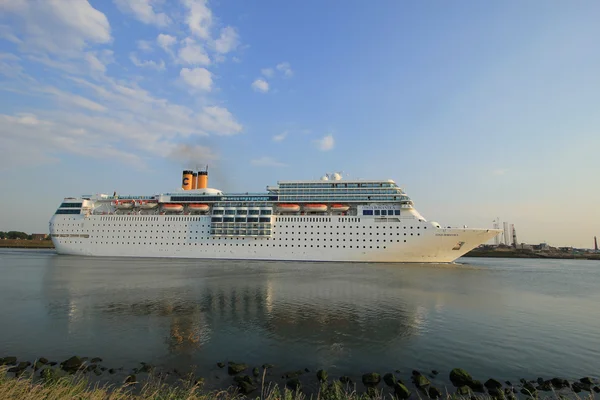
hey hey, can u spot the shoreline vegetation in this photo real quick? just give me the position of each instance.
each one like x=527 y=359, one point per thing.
x=500 y=252
x=73 y=379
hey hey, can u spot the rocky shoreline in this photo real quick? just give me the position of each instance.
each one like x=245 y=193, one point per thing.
x=250 y=380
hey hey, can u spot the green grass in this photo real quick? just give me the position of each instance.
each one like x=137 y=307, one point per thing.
x=30 y=387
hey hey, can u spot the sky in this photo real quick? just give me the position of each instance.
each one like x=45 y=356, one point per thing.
x=479 y=110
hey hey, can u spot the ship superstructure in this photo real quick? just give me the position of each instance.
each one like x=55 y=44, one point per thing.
x=330 y=219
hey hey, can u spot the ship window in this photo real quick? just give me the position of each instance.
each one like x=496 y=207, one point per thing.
x=367 y=212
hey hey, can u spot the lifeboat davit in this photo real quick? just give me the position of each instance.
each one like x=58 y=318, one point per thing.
x=315 y=207
x=148 y=204
x=123 y=204
x=172 y=207
x=288 y=207
x=340 y=207
x=198 y=207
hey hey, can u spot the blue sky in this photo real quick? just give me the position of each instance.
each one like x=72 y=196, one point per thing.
x=479 y=110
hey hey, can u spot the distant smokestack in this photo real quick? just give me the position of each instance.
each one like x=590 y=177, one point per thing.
x=514 y=236
x=595 y=243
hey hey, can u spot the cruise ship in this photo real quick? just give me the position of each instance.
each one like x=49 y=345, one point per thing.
x=327 y=219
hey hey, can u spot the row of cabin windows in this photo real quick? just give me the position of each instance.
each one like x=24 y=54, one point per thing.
x=381 y=212
x=237 y=244
x=279 y=227
x=315 y=219
x=205 y=238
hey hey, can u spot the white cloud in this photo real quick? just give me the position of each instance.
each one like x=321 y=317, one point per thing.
x=165 y=41
x=143 y=11
x=199 y=18
x=144 y=45
x=286 y=68
x=219 y=120
x=228 y=40
x=192 y=53
x=160 y=66
x=267 y=162
x=280 y=137
x=268 y=72
x=50 y=140
x=260 y=85
x=326 y=143
x=111 y=118
x=57 y=26
x=72 y=99
x=197 y=78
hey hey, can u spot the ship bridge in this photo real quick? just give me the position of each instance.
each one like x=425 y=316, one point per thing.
x=326 y=190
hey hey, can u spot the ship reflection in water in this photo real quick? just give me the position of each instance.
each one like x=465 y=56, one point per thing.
x=170 y=312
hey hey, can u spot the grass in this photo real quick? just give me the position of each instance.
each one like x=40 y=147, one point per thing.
x=77 y=387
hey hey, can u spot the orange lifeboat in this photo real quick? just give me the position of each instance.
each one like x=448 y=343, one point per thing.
x=315 y=207
x=198 y=207
x=288 y=207
x=339 y=207
x=170 y=207
x=123 y=204
x=148 y=204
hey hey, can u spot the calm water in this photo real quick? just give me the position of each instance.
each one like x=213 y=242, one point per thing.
x=494 y=317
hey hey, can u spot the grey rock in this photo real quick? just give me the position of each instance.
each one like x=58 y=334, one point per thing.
x=8 y=360
x=52 y=374
x=246 y=388
x=401 y=391
x=96 y=360
x=131 y=379
x=596 y=389
x=587 y=380
x=146 y=368
x=236 y=368
x=322 y=375
x=371 y=379
x=243 y=378
x=255 y=372
x=492 y=384
x=459 y=377
x=42 y=360
x=434 y=393
x=463 y=390
x=389 y=379
x=559 y=383
x=91 y=367
x=477 y=386
x=545 y=386
x=292 y=374
x=421 y=381
x=72 y=364
x=220 y=364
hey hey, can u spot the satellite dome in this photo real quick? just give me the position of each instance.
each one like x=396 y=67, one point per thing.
x=324 y=178
x=337 y=177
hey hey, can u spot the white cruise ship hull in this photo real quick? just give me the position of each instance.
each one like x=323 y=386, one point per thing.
x=335 y=238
